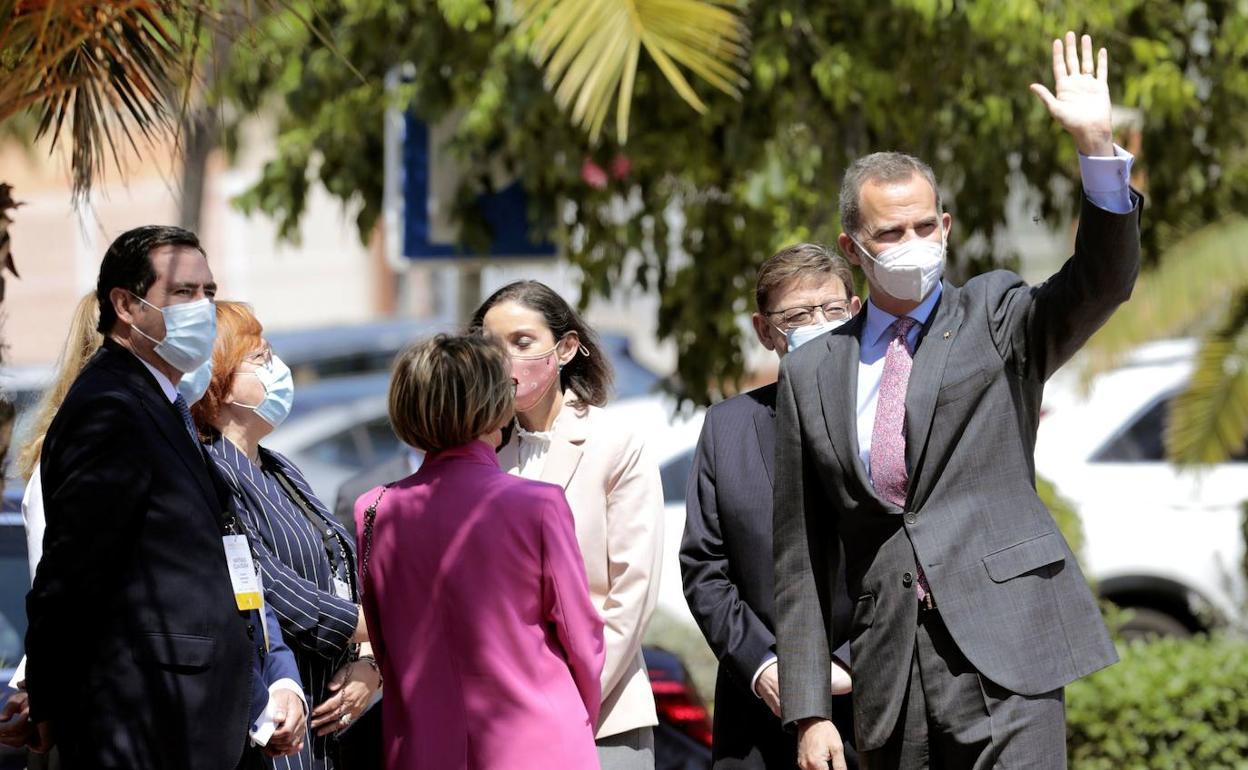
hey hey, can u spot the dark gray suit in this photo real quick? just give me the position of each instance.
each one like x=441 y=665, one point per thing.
x=1007 y=587
x=725 y=560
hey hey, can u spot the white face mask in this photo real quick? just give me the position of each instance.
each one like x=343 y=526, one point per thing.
x=910 y=270
x=190 y=330
x=279 y=391
x=803 y=334
x=194 y=384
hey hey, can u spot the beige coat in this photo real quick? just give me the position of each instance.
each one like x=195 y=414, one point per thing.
x=613 y=488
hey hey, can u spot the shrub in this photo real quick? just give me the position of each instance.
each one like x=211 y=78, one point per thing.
x=1170 y=704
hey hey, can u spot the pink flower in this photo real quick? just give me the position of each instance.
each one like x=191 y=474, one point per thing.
x=621 y=166
x=593 y=175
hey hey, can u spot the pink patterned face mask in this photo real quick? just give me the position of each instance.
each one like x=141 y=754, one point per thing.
x=534 y=376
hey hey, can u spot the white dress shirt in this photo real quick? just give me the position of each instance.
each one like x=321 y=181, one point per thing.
x=533 y=446
x=1106 y=182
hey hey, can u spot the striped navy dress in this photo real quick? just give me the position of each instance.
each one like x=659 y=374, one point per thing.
x=298 y=578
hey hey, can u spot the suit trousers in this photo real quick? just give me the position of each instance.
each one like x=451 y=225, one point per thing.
x=954 y=718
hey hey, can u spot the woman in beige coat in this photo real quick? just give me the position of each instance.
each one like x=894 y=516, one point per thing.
x=562 y=436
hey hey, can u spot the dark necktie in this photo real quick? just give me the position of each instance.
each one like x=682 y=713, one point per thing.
x=185 y=411
x=888 y=436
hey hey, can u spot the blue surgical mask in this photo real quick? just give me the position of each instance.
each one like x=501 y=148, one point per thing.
x=279 y=391
x=803 y=334
x=190 y=331
x=194 y=384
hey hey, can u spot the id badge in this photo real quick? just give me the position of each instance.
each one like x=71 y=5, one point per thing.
x=242 y=572
x=341 y=589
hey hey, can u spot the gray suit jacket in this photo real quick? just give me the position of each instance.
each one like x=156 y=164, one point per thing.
x=1005 y=581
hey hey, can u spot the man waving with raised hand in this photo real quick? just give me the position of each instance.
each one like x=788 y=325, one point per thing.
x=908 y=434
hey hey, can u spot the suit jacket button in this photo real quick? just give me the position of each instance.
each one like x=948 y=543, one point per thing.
x=911 y=518
x=251 y=629
x=907 y=580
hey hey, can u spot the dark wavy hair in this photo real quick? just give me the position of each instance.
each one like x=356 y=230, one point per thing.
x=587 y=375
x=128 y=265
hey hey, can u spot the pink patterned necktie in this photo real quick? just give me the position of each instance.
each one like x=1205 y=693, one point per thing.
x=888 y=435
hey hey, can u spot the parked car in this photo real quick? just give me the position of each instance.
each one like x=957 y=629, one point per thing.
x=349 y=349
x=1163 y=542
x=340 y=426
x=682 y=740
x=15 y=578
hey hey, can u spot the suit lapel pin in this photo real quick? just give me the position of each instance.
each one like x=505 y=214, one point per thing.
x=948 y=335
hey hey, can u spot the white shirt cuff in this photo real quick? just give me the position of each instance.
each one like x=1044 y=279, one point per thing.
x=841 y=682
x=1107 y=180
x=264 y=727
x=768 y=661
x=286 y=683
x=19 y=675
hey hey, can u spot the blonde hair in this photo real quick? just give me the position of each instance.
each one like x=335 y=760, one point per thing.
x=80 y=344
x=448 y=390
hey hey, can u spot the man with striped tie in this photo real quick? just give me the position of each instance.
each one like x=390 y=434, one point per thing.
x=145 y=648
x=908 y=434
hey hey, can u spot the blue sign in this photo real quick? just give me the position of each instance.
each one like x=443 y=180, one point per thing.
x=505 y=211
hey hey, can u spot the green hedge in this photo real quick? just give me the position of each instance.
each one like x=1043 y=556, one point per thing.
x=1169 y=704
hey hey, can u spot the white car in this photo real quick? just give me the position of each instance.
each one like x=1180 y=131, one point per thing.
x=1164 y=542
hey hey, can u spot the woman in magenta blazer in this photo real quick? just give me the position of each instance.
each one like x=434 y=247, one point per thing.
x=474 y=589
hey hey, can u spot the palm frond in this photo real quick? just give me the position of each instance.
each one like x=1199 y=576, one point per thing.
x=1194 y=281
x=7 y=204
x=590 y=51
x=1209 y=419
x=114 y=72
x=106 y=68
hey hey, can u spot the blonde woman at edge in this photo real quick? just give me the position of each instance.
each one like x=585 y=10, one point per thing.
x=81 y=343
x=562 y=436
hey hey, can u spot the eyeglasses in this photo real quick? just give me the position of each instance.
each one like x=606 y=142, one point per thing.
x=803 y=315
x=262 y=357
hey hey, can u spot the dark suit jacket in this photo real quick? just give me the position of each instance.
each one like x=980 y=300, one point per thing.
x=397 y=467
x=1005 y=582
x=725 y=560
x=136 y=649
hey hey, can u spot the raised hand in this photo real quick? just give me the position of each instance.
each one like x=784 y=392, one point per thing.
x=1081 y=99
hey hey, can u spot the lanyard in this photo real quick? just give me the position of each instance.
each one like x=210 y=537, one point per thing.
x=330 y=539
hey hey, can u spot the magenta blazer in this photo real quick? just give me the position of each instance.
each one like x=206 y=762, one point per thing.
x=480 y=617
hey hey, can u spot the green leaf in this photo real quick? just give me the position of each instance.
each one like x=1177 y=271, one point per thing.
x=590 y=50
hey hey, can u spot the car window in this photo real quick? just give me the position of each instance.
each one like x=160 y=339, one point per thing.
x=15 y=576
x=382 y=442
x=1143 y=439
x=674 y=474
x=338 y=366
x=348 y=448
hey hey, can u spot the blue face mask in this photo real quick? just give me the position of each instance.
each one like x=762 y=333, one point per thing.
x=190 y=331
x=803 y=334
x=279 y=391
x=194 y=384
